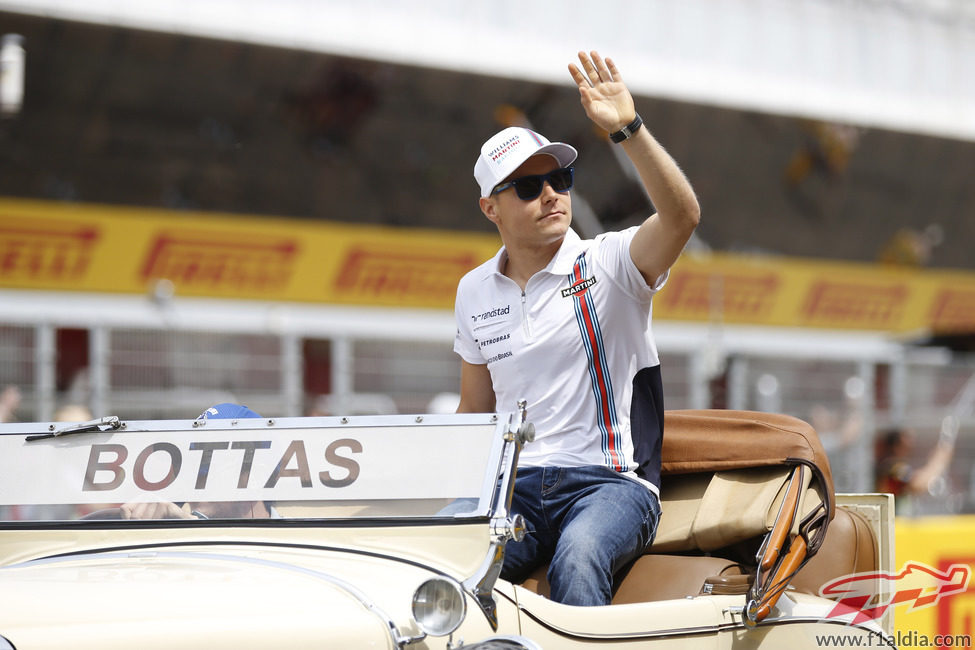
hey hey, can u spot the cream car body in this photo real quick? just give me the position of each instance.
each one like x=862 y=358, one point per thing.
x=387 y=532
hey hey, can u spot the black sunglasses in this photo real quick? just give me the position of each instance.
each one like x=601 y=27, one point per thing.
x=529 y=187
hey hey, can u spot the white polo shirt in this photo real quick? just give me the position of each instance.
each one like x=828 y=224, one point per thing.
x=577 y=345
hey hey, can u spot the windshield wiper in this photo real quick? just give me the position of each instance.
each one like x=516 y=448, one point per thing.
x=101 y=424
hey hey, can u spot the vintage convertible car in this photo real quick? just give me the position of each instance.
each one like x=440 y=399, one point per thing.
x=389 y=532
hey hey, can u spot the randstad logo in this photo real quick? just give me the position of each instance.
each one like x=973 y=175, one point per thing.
x=494 y=313
x=869 y=595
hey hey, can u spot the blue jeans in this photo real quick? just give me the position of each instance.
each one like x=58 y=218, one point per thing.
x=588 y=522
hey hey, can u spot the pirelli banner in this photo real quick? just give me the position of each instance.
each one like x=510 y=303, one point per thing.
x=808 y=293
x=127 y=250
x=45 y=245
x=946 y=615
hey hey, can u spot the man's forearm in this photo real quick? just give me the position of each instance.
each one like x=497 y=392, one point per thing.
x=668 y=188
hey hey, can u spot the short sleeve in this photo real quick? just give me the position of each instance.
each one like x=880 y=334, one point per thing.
x=613 y=253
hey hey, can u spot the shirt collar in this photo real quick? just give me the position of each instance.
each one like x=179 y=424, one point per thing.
x=561 y=264
x=565 y=259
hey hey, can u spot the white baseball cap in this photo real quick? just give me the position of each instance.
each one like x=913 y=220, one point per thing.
x=508 y=149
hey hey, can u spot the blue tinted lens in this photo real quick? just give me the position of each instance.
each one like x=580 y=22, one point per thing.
x=561 y=179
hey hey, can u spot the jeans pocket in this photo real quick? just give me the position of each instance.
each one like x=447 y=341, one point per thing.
x=551 y=479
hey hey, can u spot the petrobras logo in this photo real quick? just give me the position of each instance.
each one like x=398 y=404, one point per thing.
x=491 y=341
x=494 y=313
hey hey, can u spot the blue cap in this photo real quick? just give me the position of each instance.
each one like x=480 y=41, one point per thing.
x=227 y=411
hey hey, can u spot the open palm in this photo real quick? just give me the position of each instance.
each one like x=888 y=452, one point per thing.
x=604 y=96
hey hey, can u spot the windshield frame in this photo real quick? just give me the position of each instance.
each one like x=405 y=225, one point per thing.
x=489 y=498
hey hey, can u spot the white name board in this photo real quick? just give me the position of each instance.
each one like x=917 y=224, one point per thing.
x=381 y=462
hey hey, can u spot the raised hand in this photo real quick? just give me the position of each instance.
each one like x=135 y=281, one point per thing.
x=604 y=96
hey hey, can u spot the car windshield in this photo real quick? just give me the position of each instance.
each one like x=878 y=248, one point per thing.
x=430 y=466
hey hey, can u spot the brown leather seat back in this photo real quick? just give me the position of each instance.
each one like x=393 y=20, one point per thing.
x=850 y=547
x=707 y=512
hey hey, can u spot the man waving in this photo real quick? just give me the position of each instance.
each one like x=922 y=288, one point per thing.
x=565 y=324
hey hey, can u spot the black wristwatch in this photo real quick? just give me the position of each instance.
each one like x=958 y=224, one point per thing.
x=627 y=131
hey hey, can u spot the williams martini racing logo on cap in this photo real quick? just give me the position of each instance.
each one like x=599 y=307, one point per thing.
x=499 y=153
x=509 y=145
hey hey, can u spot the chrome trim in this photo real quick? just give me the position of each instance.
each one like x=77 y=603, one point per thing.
x=458 y=591
x=778 y=616
x=487 y=498
x=107 y=423
x=677 y=631
x=480 y=585
x=688 y=631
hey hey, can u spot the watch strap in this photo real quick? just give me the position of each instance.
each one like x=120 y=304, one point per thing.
x=627 y=131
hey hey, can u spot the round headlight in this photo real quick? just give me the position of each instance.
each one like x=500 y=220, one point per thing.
x=439 y=606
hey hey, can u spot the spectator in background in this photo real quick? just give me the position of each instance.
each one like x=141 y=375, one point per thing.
x=911 y=248
x=841 y=432
x=73 y=413
x=9 y=401
x=444 y=403
x=827 y=149
x=896 y=472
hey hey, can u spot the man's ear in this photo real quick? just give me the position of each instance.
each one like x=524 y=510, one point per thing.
x=490 y=208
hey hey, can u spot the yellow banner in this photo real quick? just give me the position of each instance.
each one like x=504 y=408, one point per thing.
x=109 y=249
x=76 y=247
x=807 y=293
x=938 y=542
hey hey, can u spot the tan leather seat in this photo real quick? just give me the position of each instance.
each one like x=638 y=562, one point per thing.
x=849 y=547
x=664 y=577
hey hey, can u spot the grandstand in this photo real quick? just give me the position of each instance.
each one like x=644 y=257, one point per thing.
x=271 y=202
